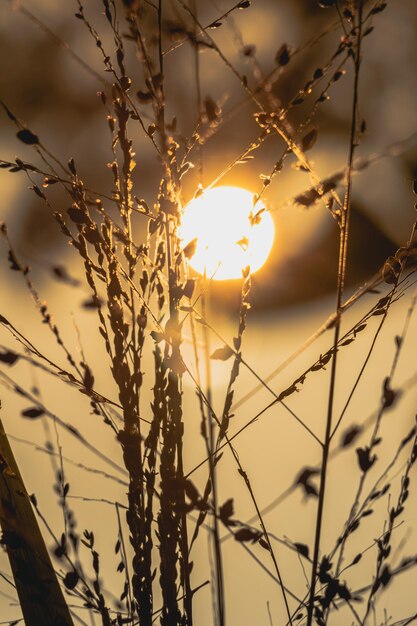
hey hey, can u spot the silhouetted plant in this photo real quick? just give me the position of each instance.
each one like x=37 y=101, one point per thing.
x=136 y=270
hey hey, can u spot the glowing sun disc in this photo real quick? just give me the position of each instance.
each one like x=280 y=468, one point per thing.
x=230 y=233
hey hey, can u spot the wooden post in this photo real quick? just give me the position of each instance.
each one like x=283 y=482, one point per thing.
x=40 y=595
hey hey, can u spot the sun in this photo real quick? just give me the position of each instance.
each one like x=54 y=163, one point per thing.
x=230 y=232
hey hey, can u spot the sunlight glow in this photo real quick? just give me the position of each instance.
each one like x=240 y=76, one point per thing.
x=230 y=233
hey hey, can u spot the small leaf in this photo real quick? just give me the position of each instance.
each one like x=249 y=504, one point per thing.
x=287 y=392
x=360 y=328
x=304 y=480
x=190 y=248
x=189 y=288
x=378 y=8
x=9 y=357
x=309 y=140
x=33 y=413
x=282 y=56
x=92 y=234
x=71 y=580
x=308 y=198
x=247 y=534
x=71 y=165
x=145 y=97
x=385 y=576
x=265 y=545
x=27 y=137
x=365 y=459
x=38 y=192
x=350 y=436
x=14 y=265
x=61 y=273
x=212 y=110
x=302 y=549
x=153 y=225
x=389 y=395
x=77 y=216
x=222 y=354
x=257 y=217
x=92 y=303
x=157 y=336
x=191 y=491
x=88 y=379
x=226 y=510
x=243 y=243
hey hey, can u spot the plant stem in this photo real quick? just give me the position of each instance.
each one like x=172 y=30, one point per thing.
x=344 y=237
x=212 y=469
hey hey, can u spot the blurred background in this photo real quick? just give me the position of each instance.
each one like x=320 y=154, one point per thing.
x=50 y=73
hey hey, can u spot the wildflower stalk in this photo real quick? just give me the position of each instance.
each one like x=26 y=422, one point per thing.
x=172 y=519
x=344 y=237
x=209 y=435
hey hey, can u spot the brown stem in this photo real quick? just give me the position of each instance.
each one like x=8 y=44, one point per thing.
x=344 y=237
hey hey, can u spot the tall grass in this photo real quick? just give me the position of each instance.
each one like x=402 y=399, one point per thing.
x=147 y=301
